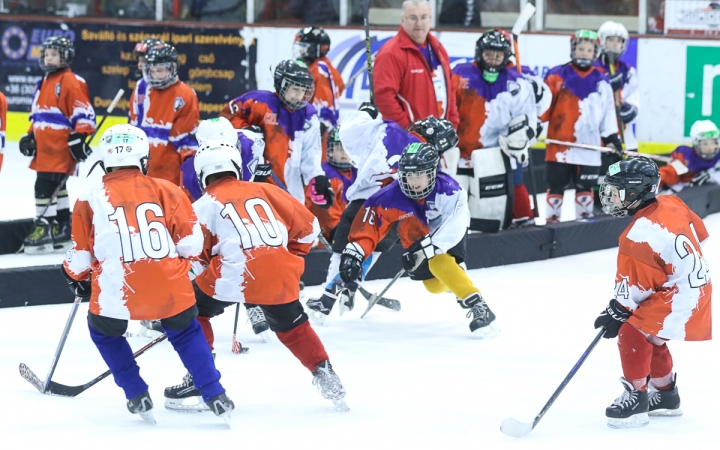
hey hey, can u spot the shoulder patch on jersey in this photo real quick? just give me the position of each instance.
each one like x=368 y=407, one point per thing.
x=270 y=118
x=57 y=90
x=179 y=103
x=513 y=87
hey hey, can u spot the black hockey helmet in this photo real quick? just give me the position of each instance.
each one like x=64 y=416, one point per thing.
x=416 y=160
x=493 y=40
x=64 y=47
x=162 y=54
x=333 y=149
x=294 y=73
x=310 y=44
x=630 y=182
x=438 y=132
x=142 y=47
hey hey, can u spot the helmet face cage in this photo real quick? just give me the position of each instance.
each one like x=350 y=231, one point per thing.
x=584 y=36
x=409 y=191
x=629 y=182
x=310 y=44
x=493 y=40
x=162 y=55
x=334 y=145
x=65 y=50
x=290 y=73
x=610 y=29
x=608 y=192
x=418 y=161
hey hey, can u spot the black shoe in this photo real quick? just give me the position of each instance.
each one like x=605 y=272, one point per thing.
x=39 y=241
x=664 y=403
x=483 y=320
x=61 y=236
x=221 y=406
x=319 y=308
x=143 y=405
x=256 y=316
x=630 y=410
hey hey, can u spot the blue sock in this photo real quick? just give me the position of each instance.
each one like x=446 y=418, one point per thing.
x=196 y=355
x=119 y=358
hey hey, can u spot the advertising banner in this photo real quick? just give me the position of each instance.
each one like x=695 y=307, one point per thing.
x=692 y=17
x=218 y=63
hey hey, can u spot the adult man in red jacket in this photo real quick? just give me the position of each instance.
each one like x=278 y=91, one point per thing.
x=412 y=72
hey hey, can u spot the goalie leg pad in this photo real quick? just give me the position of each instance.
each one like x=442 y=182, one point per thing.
x=491 y=192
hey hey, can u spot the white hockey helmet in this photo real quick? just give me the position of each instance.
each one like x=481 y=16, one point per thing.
x=216 y=156
x=701 y=130
x=216 y=128
x=611 y=28
x=124 y=145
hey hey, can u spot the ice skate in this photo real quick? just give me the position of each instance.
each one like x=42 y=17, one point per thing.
x=346 y=300
x=483 y=324
x=221 y=406
x=142 y=404
x=39 y=241
x=256 y=317
x=150 y=325
x=664 y=403
x=630 y=410
x=61 y=236
x=329 y=385
x=184 y=397
x=319 y=308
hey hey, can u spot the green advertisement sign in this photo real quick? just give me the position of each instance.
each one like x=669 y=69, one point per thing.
x=702 y=85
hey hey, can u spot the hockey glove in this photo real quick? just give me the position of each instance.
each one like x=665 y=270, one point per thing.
x=701 y=178
x=538 y=90
x=414 y=256
x=613 y=141
x=262 y=172
x=616 y=81
x=628 y=113
x=351 y=261
x=321 y=193
x=28 y=146
x=516 y=143
x=612 y=319
x=79 y=149
x=80 y=289
x=369 y=108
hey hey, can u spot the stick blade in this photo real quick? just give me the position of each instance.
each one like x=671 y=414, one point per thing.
x=31 y=378
x=525 y=15
x=515 y=428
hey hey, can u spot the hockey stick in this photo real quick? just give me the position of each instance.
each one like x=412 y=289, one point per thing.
x=382 y=301
x=375 y=298
x=62 y=390
x=618 y=105
x=236 y=346
x=515 y=428
x=608 y=150
x=324 y=241
x=368 y=51
x=61 y=344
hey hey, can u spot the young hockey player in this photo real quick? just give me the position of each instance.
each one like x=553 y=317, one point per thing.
x=432 y=217
x=251 y=231
x=291 y=130
x=375 y=145
x=132 y=237
x=696 y=165
x=582 y=111
x=310 y=46
x=662 y=290
x=497 y=109
x=139 y=52
x=342 y=174
x=167 y=111
x=61 y=119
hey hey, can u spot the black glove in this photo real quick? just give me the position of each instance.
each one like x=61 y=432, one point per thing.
x=79 y=149
x=262 y=172
x=370 y=109
x=537 y=90
x=82 y=289
x=613 y=141
x=701 y=178
x=414 y=256
x=612 y=318
x=628 y=113
x=321 y=193
x=351 y=261
x=28 y=146
x=616 y=81
x=539 y=128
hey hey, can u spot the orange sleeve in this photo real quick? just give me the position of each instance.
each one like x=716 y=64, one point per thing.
x=240 y=114
x=78 y=261
x=668 y=174
x=182 y=223
x=369 y=227
x=75 y=102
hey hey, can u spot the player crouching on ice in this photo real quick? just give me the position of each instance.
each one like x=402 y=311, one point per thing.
x=132 y=237
x=662 y=290
x=432 y=215
x=696 y=165
x=251 y=230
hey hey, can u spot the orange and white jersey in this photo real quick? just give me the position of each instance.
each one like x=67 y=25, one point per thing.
x=135 y=233
x=3 y=125
x=662 y=274
x=170 y=118
x=60 y=106
x=329 y=87
x=253 y=234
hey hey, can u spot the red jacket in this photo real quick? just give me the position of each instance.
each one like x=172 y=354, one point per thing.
x=403 y=81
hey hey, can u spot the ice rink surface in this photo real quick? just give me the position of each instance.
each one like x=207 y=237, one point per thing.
x=416 y=379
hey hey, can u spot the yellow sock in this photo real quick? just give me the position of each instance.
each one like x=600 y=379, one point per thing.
x=450 y=274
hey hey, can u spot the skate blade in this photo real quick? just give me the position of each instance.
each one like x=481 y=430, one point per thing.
x=343 y=308
x=515 y=428
x=265 y=336
x=148 y=417
x=666 y=413
x=340 y=405
x=318 y=318
x=487 y=332
x=634 y=421
x=226 y=417
x=39 y=250
x=179 y=405
x=62 y=248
